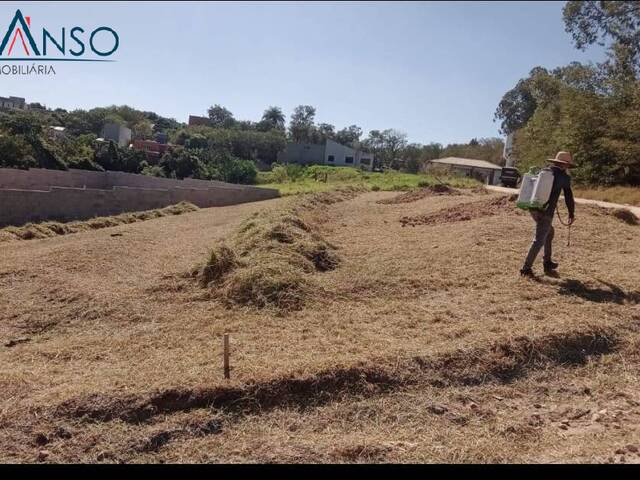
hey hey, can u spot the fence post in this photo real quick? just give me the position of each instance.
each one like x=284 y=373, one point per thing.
x=226 y=356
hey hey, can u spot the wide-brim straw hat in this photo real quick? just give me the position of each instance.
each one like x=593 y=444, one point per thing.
x=563 y=157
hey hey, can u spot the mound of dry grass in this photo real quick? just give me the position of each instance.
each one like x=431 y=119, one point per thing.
x=269 y=259
x=331 y=197
x=415 y=195
x=279 y=282
x=626 y=216
x=481 y=190
x=32 y=231
x=461 y=213
x=499 y=362
x=622 y=214
x=509 y=359
x=221 y=260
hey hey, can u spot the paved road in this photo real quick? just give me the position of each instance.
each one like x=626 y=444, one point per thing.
x=635 y=210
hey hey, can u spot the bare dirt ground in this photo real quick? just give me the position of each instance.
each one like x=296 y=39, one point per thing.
x=424 y=345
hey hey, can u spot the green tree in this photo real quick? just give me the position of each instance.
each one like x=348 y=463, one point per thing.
x=154 y=171
x=386 y=146
x=412 y=158
x=431 y=151
x=274 y=117
x=302 y=123
x=349 y=136
x=517 y=106
x=16 y=152
x=182 y=163
x=108 y=157
x=221 y=117
x=143 y=130
x=596 y=22
x=323 y=132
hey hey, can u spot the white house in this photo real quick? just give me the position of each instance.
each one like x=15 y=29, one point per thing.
x=327 y=153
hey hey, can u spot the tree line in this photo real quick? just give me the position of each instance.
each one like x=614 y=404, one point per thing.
x=592 y=110
x=390 y=146
x=224 y=149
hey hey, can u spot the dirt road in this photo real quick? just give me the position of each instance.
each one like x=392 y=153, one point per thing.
x=581 y=201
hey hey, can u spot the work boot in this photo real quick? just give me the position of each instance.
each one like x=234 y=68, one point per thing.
x=527 y=272
x=550 y=267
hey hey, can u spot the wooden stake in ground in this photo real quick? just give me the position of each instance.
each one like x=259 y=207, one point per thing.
x=226 y=356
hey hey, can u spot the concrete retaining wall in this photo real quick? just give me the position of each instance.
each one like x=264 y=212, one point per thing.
x=36 y=195
x=42 y=179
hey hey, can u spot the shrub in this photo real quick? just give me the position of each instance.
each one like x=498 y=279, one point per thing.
x=240 y=171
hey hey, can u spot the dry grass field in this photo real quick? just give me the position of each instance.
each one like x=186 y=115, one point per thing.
x=418 y=342
x=624 y=195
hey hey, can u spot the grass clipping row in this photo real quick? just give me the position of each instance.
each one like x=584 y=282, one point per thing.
x=270 y=260
x=415 y=195
x=32 y=231
x=464 y=212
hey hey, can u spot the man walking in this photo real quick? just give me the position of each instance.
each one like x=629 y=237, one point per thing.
x=544 y=218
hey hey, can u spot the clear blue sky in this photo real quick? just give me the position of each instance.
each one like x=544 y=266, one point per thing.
x=435 y=70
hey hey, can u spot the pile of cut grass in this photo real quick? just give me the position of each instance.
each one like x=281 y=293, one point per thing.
x=623 y=214
x=32 y=231
x=627 y=216
x=463 y=212
x=270 y=259
x=415 y=195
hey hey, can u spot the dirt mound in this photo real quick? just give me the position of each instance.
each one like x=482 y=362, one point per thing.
x=481 y=190
x=52 y=229
x=461 y=213
x=622 y=214
x=627 y=216
x=415 y=195
x=269 y=260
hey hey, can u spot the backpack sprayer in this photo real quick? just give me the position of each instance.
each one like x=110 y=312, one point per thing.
x=535 y=191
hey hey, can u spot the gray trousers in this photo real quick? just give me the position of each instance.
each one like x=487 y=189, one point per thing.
x=543 y=237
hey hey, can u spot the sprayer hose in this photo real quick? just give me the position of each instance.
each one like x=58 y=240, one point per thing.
x=566 y=225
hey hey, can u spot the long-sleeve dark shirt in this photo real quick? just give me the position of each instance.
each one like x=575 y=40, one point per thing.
x=561 y=183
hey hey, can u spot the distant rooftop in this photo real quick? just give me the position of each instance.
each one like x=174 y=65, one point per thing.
x=467 y=162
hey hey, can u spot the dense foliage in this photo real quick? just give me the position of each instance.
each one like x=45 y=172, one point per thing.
x=390 y=147
x=224 y=153
x=293 y=179
x=591 y=110
x=225 y=149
